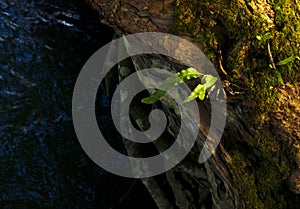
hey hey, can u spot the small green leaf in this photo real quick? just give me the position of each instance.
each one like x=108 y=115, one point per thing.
x=266 y=36
x=179 y=77
x=287 y=60
x=191 y=97
x=270 y=66
x=199 y=92
x=154 y=97
x=162 y=90
x=188 y=74
x=278 y=74
x=208 y=80
x=263 y=38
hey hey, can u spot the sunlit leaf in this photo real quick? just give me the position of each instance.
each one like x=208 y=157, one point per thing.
x=190 y=98
x=287 y=60
x=208 y=80
x=189 y=73
x=199 y=92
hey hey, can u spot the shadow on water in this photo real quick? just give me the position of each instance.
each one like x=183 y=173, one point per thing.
x=43 y=45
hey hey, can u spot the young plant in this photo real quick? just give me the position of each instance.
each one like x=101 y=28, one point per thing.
x=265 y=38
x=287 y=60
x=187 y=74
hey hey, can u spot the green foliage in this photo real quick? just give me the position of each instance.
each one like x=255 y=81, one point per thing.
x=287 y=60
x=282 y=62
x=188 y=74
x=162 y=90
x=279 y=78
x=267 y=36
x=264 y=38
x=199 y=92
x=206 y=82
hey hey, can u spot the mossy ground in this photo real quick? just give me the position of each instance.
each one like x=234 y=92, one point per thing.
x=231 y=27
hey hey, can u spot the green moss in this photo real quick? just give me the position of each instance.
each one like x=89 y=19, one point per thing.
x=259 y=186
x=187 y=21
x=260 y=179
x=245 y=182
x=246 y=62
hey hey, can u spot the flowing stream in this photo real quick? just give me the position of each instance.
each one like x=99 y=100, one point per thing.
x=43 y=46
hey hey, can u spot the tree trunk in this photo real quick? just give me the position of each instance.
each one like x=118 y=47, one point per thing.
x=257 y=163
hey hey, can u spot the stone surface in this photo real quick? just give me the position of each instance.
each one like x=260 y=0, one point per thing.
x=132 y=16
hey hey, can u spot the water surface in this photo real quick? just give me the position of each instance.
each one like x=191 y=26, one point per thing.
x=43 y=45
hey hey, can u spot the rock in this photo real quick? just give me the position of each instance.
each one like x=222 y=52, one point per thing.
x=132 y=16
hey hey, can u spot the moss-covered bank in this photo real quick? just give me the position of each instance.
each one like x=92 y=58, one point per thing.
x=227 y=32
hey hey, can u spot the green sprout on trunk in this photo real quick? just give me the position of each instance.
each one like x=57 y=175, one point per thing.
x=199 y=92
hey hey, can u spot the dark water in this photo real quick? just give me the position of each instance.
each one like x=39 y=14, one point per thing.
x=43 y=45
